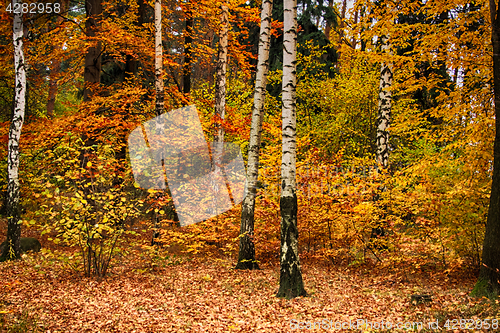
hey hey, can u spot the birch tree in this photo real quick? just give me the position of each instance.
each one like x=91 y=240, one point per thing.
x=291 y=284
x=12 y=249
x=489 y=276
x=220 y=81
x=220 y=104
x=383 y=122
x=159 y=102
x=246 y=257
x=384 y=109
x=159 y=89
x=188 y=40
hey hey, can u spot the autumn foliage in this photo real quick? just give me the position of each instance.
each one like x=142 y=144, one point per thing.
x=80 y=199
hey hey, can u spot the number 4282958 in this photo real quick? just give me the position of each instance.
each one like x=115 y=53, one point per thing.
x=471 y=324
x=34 y=8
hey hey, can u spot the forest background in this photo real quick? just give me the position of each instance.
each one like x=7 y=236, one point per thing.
x=425 y=212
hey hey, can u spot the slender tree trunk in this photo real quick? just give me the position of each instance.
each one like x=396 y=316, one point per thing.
x=92 y=72
x=246 y=256
x=384 y=109
x=328 y=27
x=342 y=23
x=12 y=249
x=91 y=76
x=220 y=105
x=341 y=33
x=383 y=122
x=130 y=61
x=489 y=275
x=220 y=84
x=188 y=40
x=159 y=105
x=55 y=68
x=51 y=101
x=291 y=284
x=160 y=93
x=353 y=41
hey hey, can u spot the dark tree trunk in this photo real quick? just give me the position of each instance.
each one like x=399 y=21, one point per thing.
x=489 y=275
x=353 y=41
x=51 y=101
x=92 y=72
x=246 y=254
x=130 y=62
x=55 y=69
x=341 y=25
x=291 y=284
x=130 y=67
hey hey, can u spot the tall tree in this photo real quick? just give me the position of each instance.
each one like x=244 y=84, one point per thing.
x=384 y=108
x=188 y=40
x=220 y=81
x=489 y=275
x=55 y=68
x=159 y=105
x=246 y=256
x=12 y=249
x=130 y=69
x=328 y=26
x=353 y=40
x=160 y=93
x=383 y=121
x=220 y=103
x=291 y=284
x=93 y=63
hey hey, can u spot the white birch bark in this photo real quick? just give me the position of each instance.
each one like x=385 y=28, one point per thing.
x=291 y=284
x=384 y=109
x=158 y=60
x=159 y=101
x=246 y=257
x=220 y=107
x=12 y=248
x=383 y=122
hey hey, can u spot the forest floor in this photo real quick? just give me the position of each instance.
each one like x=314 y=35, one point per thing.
x=171 y=293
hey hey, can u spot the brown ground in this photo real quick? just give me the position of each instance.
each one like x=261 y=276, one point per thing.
x=181 y=294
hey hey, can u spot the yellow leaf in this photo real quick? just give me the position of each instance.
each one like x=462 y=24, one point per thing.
x=89 y=164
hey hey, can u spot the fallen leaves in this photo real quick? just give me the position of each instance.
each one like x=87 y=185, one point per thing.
x=209 y=296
